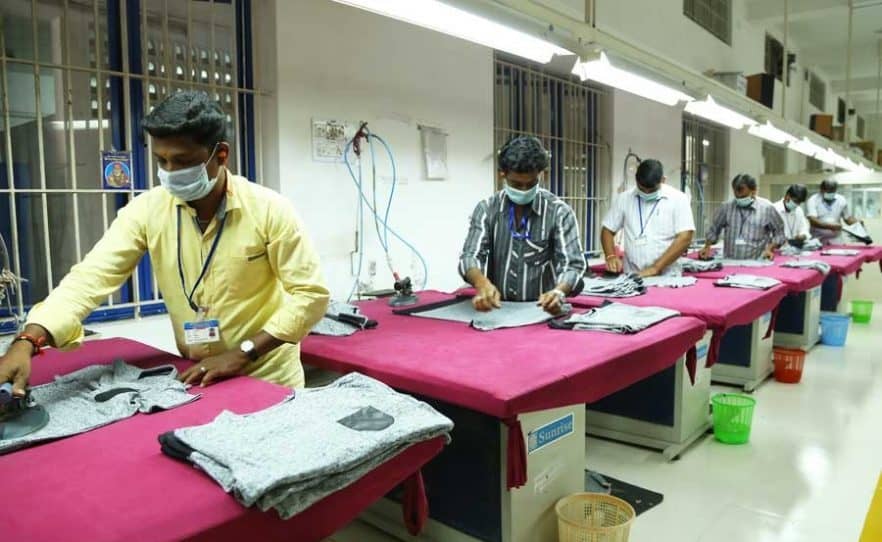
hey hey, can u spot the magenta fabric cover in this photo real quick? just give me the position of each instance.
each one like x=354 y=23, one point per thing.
x=114 y=483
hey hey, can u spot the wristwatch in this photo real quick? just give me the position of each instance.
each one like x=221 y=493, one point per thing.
x=247 y=348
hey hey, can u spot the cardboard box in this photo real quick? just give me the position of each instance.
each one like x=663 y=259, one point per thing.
x=761 y=88
x=822 y=124
x=868 y=148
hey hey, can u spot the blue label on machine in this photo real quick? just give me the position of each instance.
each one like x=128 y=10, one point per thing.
x=701 y=351
x=549 y=433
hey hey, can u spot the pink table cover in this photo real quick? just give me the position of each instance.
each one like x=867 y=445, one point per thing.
x=500 y=373
x=720 y=308
x=114 y=484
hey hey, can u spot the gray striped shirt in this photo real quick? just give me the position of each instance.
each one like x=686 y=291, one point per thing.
x=748 y=230
x=523 y=269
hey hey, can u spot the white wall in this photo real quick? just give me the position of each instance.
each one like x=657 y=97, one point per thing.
x=337 y=62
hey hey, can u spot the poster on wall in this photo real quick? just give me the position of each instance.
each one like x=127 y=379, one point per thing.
x=434 y=142
x=116 y=167
x=329 y=139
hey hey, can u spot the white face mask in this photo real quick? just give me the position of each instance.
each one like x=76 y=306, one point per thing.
x=189 y=184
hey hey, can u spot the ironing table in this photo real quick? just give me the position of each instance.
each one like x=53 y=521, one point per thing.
x=517 y=398
x=666 y=411
x=114 y=484
x=842 y=267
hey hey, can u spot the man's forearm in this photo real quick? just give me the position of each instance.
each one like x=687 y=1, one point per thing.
x=608 y=242
x=823 y=225
x=475 y=277
x=264 y=343
x=677 y=248
x=39 y=332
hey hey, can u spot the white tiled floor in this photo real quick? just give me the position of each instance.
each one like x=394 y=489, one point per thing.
x=807 y=474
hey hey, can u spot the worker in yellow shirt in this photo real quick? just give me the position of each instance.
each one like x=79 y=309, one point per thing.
x=239 y=278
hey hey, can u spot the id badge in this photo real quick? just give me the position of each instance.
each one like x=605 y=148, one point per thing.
x=641 y=241
x=740 y=242
x=201 y=332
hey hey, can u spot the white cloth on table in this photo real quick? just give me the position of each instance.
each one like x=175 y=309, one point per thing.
x=621 y=286
x=746 y=263
x=666 y=281
x=751 y=282
x=620 y=318
x=822 y=267
x=840 y=252
x=699 y=266
x=340 y=320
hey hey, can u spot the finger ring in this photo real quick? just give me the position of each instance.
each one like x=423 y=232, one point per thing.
x=203 y=369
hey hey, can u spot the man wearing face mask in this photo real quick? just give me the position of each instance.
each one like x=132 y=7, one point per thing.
x=826 y=211
x=789 y=208
x=240 y=280
x=753 y=228
x=524 y=242
x=657 y=222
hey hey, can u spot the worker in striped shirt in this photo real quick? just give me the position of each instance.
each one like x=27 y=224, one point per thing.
x=524 y=243
x=753 y=227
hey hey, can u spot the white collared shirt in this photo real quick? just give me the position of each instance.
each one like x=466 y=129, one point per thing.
x=649 y=227
x=829 y=213
x=795 y=223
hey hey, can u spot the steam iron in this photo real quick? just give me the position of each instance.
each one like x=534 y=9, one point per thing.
x=19 y=416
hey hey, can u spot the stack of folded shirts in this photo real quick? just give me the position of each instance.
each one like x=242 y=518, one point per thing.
x=314 y=443
x=840 y=252
x=751 y=282
x=812 y=244
x=822 y=267
x=664 y=281
x=620 y=286
x=617 y=318
x=341 y=320
x=699 y=266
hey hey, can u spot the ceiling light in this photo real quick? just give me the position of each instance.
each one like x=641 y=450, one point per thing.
x=447 y=19
x=601 y=71
x=768 y=132
x=709 y=110
x=806 y=147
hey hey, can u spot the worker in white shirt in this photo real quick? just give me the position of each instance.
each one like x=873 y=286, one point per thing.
x=796 y=227
x=657 y=223
x=826 y=212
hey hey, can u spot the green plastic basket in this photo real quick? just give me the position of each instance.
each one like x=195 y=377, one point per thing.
x=733 y=415
x=861 y=311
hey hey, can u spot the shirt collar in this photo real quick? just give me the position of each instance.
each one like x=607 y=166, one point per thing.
x=230 y=201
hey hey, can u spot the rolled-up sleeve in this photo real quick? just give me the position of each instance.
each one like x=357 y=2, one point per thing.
x=296 y=265
x=713 y=233
x=569 y=258
x=90 y=282
x=476 y=247
x=775 y=226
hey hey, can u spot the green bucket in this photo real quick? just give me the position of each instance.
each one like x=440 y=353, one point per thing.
x=733 y=415
x=861 y=311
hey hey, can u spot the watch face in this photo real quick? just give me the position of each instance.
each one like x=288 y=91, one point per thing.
x=247 y=346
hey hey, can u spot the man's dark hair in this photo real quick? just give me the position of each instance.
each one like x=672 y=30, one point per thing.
x=189 y=113
x=829 y=185
x=798 y=193
x=523 y=154
x=650 y=173
x=743 y=179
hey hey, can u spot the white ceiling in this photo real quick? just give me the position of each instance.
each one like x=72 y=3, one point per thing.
x=820 y=30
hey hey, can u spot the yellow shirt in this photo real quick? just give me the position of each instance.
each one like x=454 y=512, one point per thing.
x=264 y=275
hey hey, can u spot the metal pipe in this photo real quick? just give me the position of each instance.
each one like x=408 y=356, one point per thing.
x=785 y=68
x=846 y=124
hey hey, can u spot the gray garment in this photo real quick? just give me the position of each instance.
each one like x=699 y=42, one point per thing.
x=747 y=263
x=295 y=453
x=840 y=252
x=524 y=269
x=697 y=266
x=99 y=395
x=758 y=225
x=751 y=282
x=620 y=318
x=664 y=281
x=329 y=325
x=510 y=314
x=620 y=286
x=822 y=267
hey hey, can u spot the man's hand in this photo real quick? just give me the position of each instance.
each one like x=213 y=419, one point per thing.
x=487 y=298
x=614 y=264
x=650 y=271
x=15 y=367
x=769 y=254
x=551 y=302
x=214 y=368
x=705 y=253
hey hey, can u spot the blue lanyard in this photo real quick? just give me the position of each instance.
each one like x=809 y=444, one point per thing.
x=205 y=265
x=525 y=225
x=743 y=222
x=648 y=217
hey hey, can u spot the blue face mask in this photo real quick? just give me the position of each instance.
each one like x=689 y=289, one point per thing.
x=521 y=197
x=829 y=196
x=790 y=206
x=651 y=196
x=744 y=202
x=189 y=184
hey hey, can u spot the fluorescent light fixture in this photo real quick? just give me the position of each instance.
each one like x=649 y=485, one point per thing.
x=709 y=110
x=601 y=71
x=806 y=147
x=79 y=124
x=828 y=156
x=768 y=132
x=705 y=142
x=452 y=21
